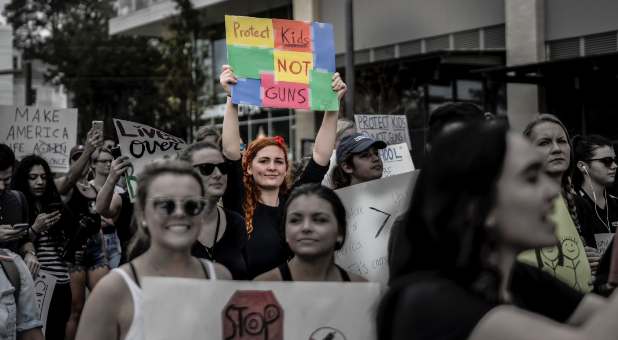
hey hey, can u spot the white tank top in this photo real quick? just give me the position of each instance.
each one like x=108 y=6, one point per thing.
x=136 y=330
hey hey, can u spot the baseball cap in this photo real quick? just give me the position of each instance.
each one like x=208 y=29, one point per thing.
x=356 y=143
x=76 y=151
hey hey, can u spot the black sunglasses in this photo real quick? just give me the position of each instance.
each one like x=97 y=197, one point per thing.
x=207 y=168
x=607 y=161
x=167 y=206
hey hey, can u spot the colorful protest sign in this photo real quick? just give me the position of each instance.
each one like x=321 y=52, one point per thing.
x=44 y=286
x=278 y=62
x=371 y=209
x=392 y=129
x=47 y=132
x=242 y=310
x=396 y=159
x=144 y=144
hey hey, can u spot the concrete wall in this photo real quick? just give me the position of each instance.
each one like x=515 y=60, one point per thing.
x=385 y=22
x=573 y=18
x=6 y=63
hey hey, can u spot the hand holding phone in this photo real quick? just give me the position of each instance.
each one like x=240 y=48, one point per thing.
x=98 y=125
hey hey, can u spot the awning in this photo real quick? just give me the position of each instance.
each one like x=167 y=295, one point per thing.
x=536 y=73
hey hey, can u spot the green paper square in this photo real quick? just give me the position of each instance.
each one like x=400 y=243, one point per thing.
x=323 y=98
x=248 y=62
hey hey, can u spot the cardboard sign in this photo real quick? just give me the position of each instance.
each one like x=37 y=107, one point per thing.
x=371 y=209
x=46 y=132
x=396 y=159
x=392 y=129
x=44 y=286
x=241 y=310
x=298 y=55
x=144 y=144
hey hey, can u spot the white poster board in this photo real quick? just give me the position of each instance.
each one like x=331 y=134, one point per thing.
x=188 y=309
x=371 y=209
x=44 y=286
x=392 y=129
x=43 y=131
x=144 y=144
x=396 y=159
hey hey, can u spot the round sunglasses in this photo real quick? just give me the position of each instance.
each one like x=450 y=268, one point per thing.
x=165 y=206
x=207 y=168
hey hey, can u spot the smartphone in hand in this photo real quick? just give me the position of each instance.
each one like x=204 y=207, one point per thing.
x=98 y=125
x=22 y=227
x=55 y=206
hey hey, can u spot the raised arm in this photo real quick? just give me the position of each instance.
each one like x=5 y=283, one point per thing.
x=325 y=139
x=65 y=183
x=230 y=138
x=109 y=203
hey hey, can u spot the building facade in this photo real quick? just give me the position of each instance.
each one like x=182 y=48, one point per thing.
x=513 y=57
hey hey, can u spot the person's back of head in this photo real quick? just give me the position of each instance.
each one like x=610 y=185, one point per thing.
x=450 y=116
x=7 y=157
x=208 y=134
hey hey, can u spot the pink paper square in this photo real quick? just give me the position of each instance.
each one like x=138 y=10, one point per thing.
x=283 y=94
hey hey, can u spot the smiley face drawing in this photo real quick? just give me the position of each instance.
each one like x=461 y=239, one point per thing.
x=570 y=250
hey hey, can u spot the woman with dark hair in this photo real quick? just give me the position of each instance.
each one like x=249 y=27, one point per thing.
x=571 y=260
x=224 y=236
x=169 y=211
x=481 y=203
x=264 y=184
x=49 y=226
x=315 y=227
x=596 y=172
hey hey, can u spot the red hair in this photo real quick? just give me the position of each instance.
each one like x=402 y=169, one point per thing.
x=252 y=192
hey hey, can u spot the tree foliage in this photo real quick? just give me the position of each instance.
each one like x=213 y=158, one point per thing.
x=145 y=79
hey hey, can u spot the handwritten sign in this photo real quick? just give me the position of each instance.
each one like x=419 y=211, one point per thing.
x=371 y=209
x=396 y=159
x=44 y=286
x=241 y=310
x=144 y=144
x=284 y=94
x=392 y=129
x=47 y=132
x=258 y=48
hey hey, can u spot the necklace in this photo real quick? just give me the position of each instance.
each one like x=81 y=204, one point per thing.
x=211 y=250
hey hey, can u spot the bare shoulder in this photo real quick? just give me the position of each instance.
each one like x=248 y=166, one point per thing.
x=271 y=275
x=111 y=285
x=222 y=272
x=512 y=323
x=356 y=278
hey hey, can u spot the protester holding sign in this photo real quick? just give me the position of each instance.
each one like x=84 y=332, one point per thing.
x=570 y=261
x=49 y=224
x=315 y=227
x=358 y=160
x=483 y=202
x=224 y=235
x=169 y=209
x=265 y=168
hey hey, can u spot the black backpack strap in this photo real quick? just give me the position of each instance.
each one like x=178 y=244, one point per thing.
x=10 y=270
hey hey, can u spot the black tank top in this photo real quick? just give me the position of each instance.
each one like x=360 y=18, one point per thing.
x=286 y=275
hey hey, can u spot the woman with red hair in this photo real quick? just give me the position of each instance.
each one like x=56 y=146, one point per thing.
x=264 y=177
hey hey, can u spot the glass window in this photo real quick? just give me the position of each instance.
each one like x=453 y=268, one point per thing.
x=470 y=90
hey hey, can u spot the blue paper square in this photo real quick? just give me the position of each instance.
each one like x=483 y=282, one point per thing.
x=323 y=46
x=246 y=91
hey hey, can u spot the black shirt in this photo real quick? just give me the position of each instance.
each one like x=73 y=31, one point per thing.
x=594 y=222
x=266 y=247
x=231 y=249
x=13 y=210
x=434 y=307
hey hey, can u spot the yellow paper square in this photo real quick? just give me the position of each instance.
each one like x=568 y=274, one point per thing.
x=249 y=31
x=293 y=67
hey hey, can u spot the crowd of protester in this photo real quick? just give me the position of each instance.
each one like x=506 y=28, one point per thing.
x=507 y=235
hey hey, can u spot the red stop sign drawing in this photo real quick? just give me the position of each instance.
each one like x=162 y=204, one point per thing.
x=252 y=315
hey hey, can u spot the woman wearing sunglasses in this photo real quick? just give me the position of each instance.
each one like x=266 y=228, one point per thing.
x=263 y=185
x=224 y=236
x=596 y=172
x=169 y=211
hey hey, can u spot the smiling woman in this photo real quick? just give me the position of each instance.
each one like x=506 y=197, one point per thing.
x=169 y=209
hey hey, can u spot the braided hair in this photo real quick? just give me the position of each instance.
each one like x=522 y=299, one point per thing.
x=252 y=191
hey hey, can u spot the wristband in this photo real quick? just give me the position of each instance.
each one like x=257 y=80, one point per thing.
x=35 y=232
x=31 y=252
